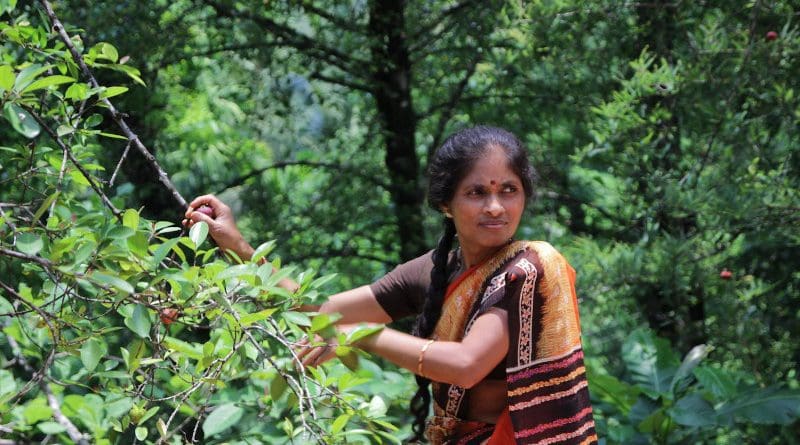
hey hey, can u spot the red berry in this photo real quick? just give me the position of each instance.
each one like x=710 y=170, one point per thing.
x=168 y=315
x=725 y=274
x=205 y=210
x=772 y=35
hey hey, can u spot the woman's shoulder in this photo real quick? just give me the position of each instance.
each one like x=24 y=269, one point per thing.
x=538 y=255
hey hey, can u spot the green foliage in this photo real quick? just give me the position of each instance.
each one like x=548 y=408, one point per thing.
x=665 y=138
x=117 y=328
x=665 y=400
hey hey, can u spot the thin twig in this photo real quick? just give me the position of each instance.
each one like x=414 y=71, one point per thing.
x=68 y=152
x=119 y=164
x=115 y=114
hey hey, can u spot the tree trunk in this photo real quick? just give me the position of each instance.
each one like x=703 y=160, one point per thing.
x=391 y=77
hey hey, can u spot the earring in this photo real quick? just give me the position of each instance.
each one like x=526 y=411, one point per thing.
x=448 y=214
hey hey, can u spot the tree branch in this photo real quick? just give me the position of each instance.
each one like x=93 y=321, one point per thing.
x=297 y=40
x=339 y=81
x=340 y=22
x=450 y=106
x=418 y=36
x=54 y=136
x=116 y=115
x=328 y=165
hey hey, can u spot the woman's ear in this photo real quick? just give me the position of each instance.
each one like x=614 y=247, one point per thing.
x=446 y=212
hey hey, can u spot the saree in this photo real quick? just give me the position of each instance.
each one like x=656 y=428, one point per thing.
x=547 y=396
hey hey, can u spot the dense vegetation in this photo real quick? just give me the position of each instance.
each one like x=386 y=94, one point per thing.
x=664 y=133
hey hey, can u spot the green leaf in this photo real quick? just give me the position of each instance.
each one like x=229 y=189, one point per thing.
x=277 y=387
x=28 y=75
x=48 y=82
x=112 y=91
x=297 y=318
x=51 y=427
x=91 y=353
x=139 y=321
x=108 y=51
x=93 y=121
x=29 y=243
x=21 y=120
x=198 y=233
x=692 y=359
x=247 y=320
x=130 y=71
x=130 y=219
x=113 y=281
x=339 y=423
x=77 y=91
x=262 y=251
x=611 y=390
x=693 y=410
x=348 y=357
x=37 y=410
x=772 y=405
x=717 y=381
x=141 y=433
x=319 y=282
x=222 y=418
x=6 y=78
x=362 y=331
x=650 y=361
x=46 y=204
x=191 y=350
x=120 y=232
x=377 y=407
x=162 y=250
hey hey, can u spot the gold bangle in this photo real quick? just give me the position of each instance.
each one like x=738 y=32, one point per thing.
x=422 y=357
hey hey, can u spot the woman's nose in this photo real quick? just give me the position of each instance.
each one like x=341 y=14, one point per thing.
x=493 y=206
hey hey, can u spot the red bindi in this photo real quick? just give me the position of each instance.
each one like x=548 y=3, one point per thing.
x=492 y=182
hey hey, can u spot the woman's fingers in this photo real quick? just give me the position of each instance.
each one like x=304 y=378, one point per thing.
x=314 y=354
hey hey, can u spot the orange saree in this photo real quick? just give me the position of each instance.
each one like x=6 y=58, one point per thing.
x=547 y=396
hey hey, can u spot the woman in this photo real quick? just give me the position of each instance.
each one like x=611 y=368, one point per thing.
x=497 y=331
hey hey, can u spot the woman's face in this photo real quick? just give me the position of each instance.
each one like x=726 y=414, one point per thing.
x=487 y=205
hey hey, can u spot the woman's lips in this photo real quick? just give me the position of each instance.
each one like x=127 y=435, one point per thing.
x=494 y=224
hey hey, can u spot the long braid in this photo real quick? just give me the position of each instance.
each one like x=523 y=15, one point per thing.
x=426 y=322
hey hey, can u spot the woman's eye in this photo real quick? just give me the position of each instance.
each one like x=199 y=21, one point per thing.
x=509 y=189
x=474 y=192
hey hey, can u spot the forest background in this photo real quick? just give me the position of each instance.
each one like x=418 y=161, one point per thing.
x=665 y=136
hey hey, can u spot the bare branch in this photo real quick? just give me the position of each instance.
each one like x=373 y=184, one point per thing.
x=119 y=164
x=115 y=114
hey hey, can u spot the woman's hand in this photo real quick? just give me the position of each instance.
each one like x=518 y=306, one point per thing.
x=315 y=353
x=221 y=224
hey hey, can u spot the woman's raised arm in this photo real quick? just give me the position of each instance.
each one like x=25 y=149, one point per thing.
x=355 y=305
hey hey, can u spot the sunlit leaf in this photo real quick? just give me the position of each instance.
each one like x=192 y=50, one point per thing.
x=48 y=82
x=21 y=120
x=198 y=233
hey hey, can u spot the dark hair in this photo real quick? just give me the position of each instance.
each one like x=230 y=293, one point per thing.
x=450 y=164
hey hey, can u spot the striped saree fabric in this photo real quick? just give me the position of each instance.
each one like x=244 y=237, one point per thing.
x=548 y=397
